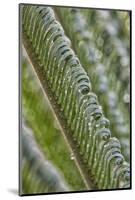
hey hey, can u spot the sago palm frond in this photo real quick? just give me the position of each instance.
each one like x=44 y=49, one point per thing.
x=97 y=153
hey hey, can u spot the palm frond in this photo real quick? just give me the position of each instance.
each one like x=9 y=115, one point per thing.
x=69 y=89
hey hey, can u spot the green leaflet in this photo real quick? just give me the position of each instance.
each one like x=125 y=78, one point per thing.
x=91 y=40
x=72 y=90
